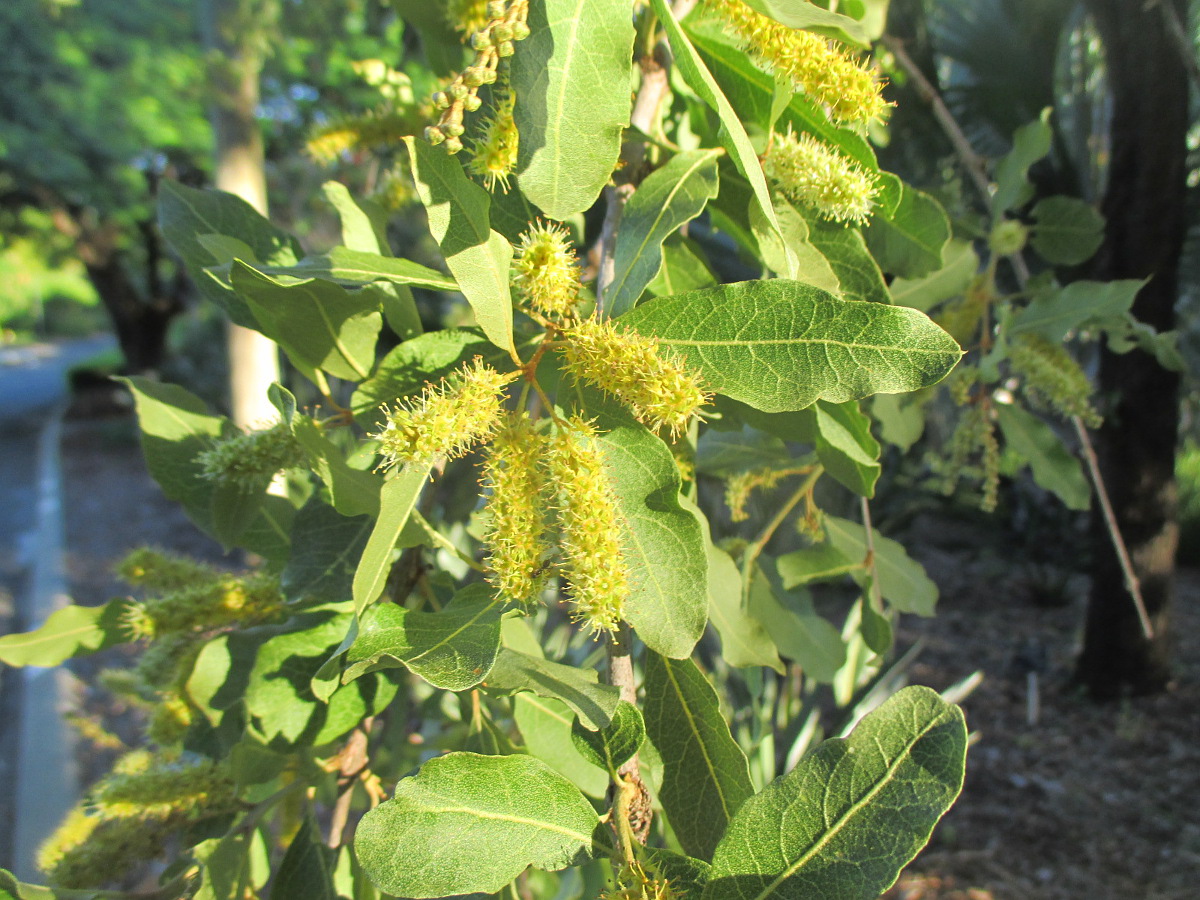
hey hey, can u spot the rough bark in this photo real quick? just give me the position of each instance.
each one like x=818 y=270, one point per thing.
x=1144 y=205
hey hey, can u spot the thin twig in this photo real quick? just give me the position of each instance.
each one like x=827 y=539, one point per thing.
x=352 y=762
x=1114 y=530
x=751 y=554
x=869 y=563
x=973 y=163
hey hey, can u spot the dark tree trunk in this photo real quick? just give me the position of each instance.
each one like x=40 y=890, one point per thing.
x=1144 y=204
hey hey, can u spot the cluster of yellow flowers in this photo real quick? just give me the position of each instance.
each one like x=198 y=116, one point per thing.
x=546 y=272
x=812 y=173
x=494 y=152
x=249 y=460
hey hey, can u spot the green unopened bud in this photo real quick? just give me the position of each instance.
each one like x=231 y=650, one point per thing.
x=453 y=145
x=441 y=100
x=458 y=91
x=1008 y=237
x=434 y=135
x=502 y=31
x=496 y=9
x=454 y=129
x=481 y=40
x=505 y=49
x=472 y=102
x=475 y=76
x=520 y=31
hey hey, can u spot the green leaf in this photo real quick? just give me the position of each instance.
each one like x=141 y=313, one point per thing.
x=187 y=215
x=468 y=823
x=396 y=503
x=594 y=703
x=725 y=453
x=798 y=631
x=910 y=242
x=478 y=257
x=959 y=265
x=845 y=447
x=706 y=778
x=570 y=117
x=325 y=550
x=901 y=417
x=781 y=345
x=545 y=727
x=848 y=818
x=306 y=871
x=857 y=272
x=821 y=562
x=1067 y=232
x=810 y=17
x=732 y=134
x=901 y=579
x=796 y=254
x=661 y=542
x=1054 y=467
x=352 y=268
x=1057 y=313
x=353 y=492
x=453 y=649
x=423 y=360
x=684 y=268
x=668 y=198
x=360 y=231
x=68 y=632
x=1030 y=143
x=611 y=747
x=320 y=325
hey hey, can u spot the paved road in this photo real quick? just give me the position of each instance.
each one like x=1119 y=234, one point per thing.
x=36 y=749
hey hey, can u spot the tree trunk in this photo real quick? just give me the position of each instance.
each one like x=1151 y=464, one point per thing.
x=230 y=30
x=1144 y=204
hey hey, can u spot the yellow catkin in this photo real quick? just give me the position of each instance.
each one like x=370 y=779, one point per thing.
x=447 y=419
x=249 y=460
x=827 y=75
x=545 y=271
x=222 y=599
x=167 y=790
x=516 y=534
x=595 y=568
x=739 y=488
x=494 y=153
x=1053 y=378
x=658 y=390
x=812 y=173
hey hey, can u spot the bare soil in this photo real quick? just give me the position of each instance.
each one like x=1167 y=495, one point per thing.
x=1064 y=800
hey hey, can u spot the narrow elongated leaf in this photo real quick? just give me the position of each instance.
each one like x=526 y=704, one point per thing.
x=453 y=649
x=733 y=133
x=847 y=819
x=360 y=230
x=669 y=197
x=857 y=272
x=478 y=257
x=396 y=502
x=1056 y=313
x=569 y=117
x=706 y=778
x=66 y=633
x=661 y=541
x=1054 y=467
x=684 y=269
x=1030 y=143
x=353 y=492
x=187 y=215
x=467 y=823
x=356 y=267
x=810 y=17
x=801 y=634
x=594 y=703
x=901 y=579
x=320 y=324
x=781 y=345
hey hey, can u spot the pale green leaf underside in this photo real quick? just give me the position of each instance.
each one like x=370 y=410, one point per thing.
x=848 y=818
x=594 y=703
x=900 y=578
x=67 y=632
x=781 y=345
x=468 y=823
x=570 y=76
x=1052 y=464
x=396 y=502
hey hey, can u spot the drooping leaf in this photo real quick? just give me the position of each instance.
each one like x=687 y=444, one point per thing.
x=901 y=417
x=478 y=257
x=1054 y=467
x=68 y=632
x=843 y=441
x=901 y=579
x=851 y=815
x=857 y=272
x=362 y=228
x=810 y=17
x=724 y=453
x=960 y=262
x=611 y=747
x=820 y=562
x=353 y=492
x=594 y=703
x=569 y=117
x=453 y=649
x=706 y=778
x=545 y=727
x=396 y=503
x=801 y=634
x=668 y=198
x=660 y=541
x=352 y=268
x=468 y=823
x=910 y=242
x=186 y=215
x=683 y=269
x=781 y=345
x=326 y=548
x=320 y=325
x=1056 y=313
